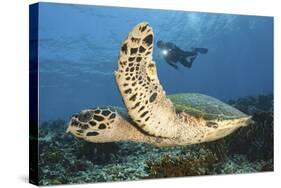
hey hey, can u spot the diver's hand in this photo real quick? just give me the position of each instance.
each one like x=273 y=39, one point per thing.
x=173 y=65
x=170 y=62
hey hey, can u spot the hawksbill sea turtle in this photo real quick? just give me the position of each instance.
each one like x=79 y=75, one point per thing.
x=152 y=117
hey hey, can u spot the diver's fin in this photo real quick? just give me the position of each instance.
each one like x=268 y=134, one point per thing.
x=201 y=50
x=139 y=85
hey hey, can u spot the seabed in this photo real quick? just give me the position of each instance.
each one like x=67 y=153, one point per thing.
x=65 y=159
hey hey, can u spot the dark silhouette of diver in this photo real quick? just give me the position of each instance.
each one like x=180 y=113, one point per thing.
x=172 y=54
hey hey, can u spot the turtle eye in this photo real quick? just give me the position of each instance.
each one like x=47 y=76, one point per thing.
x=84 y=116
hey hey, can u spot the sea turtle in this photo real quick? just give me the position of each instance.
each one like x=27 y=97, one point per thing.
x=151 y=116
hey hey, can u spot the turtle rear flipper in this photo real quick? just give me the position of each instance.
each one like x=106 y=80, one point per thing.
x=140 y=88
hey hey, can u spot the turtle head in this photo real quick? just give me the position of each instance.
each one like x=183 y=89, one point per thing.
x=102 y=124
x=94 y=124
x=80 y=122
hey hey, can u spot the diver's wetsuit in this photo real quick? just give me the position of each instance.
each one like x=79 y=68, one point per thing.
x=172 y=54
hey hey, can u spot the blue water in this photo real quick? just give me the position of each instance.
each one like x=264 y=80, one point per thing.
x=79 y=46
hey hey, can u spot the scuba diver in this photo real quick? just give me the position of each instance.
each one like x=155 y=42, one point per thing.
x=172 y=54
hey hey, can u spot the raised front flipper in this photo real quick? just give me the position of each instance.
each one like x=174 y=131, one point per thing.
x=139 y=86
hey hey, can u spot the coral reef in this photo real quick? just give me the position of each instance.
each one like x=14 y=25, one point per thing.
x=254 y=141
x=185 y=165
x=218 y=148
x=62 y=156
x=65 y=159
x=251 y=105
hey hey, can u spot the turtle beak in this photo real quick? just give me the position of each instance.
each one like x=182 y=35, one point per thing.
x=68 y=128
x=70 y=123
x=73 y=127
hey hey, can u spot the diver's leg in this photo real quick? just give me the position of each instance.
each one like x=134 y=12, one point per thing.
x=186 y=62
x=189 y=53
x=200 y=50
x=188 y=57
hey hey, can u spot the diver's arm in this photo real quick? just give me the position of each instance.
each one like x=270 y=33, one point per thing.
x=170 y=63
x=171 y=46
x=173 y=65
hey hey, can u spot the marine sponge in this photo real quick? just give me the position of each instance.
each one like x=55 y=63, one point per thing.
x=176 y=166
x=218 y=148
